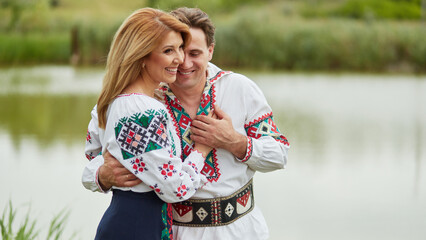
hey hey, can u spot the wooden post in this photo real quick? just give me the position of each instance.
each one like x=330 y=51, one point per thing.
x=75 y=48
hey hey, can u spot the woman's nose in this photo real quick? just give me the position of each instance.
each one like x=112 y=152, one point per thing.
x=179 y=57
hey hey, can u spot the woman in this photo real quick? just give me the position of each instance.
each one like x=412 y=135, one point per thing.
x=138 y=131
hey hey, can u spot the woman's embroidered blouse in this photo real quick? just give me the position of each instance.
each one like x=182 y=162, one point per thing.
x=140 y=134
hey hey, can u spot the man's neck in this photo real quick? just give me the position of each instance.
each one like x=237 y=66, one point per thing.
x=190 y=98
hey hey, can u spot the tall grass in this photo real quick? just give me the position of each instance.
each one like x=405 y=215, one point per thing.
x=94 y=42
x=322 y=44
x=34 y=47
x=27 y=229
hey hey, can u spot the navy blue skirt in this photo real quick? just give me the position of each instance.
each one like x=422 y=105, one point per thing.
x=136 y=216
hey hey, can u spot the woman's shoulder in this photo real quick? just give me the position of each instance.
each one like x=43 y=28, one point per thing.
x=137 y=100
x=130 y=104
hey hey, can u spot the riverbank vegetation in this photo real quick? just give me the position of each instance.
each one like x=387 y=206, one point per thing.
x=306 y=35
x=27 y=229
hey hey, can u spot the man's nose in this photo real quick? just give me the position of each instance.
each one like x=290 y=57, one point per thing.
x=186 y=62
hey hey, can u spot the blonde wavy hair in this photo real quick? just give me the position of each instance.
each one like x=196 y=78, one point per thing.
x=136 y=38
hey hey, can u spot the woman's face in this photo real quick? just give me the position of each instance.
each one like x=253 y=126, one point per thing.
x=162 y=63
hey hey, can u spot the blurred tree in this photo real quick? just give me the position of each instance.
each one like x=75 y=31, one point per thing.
x=150 y=3
x=54 y=3
x=205 y=5
x=4 y=3
x=16 y=7
x=390 y=9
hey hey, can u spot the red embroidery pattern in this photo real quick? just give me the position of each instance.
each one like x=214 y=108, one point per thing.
x=249 y=149
x=167 y=170
x=175 y=122
x=210 y=168
x=181 y=191
x=88 y=137
x=170 y=219
x=156 y=189
x=205 y=100
x=130 y=94
x=182 y=123
x=215 y=213
x=256 y=121
x=265 y=126
x=219 y=75
x=244 y=199
x=138 y=165
x=90 y=156
x=193 y=166
x=181 y=209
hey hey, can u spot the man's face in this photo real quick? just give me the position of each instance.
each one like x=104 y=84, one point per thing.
x=192 y=73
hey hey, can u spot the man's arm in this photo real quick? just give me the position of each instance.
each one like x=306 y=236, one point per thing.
x=105 y=171
x=264 y=148
x=267 y=146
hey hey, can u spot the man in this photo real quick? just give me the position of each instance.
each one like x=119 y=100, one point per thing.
x=243 y=134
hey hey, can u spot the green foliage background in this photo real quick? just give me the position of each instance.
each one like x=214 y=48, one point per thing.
x=304 y=35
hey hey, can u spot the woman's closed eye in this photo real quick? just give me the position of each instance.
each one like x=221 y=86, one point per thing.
x=168 y=50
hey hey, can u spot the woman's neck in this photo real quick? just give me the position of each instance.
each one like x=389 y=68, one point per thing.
x=140 y=86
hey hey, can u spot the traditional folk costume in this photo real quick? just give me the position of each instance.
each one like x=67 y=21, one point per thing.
x=140 y=133
x=224 y=208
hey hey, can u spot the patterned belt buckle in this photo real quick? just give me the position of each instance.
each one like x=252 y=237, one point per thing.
x=215 y=211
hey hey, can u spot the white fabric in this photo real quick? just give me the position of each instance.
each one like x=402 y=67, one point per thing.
x=140 y=134
x=244 y=102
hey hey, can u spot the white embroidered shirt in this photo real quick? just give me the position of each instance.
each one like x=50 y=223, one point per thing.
x=140 y=134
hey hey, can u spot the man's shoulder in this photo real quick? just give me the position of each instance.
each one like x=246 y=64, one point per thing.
x=217 y=74
x=234 y=78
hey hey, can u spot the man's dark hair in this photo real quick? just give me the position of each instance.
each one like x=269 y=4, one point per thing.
x=195 y=18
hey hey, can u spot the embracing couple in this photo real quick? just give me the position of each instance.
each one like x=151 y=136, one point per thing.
x=175 y=138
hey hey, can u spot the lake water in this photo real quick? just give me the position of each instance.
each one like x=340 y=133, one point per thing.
x=356 y=166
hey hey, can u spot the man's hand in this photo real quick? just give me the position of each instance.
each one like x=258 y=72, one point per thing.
x=113 y=173
x=218 y=132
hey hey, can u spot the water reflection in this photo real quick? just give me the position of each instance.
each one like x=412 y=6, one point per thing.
x=45 y=118
x=356 y=168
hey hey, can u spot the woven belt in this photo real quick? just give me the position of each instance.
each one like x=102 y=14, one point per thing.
x=214 y=211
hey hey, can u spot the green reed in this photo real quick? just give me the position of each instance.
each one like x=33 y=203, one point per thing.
x=27 y=229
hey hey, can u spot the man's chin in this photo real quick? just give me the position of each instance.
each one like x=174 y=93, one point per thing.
x=181 y=77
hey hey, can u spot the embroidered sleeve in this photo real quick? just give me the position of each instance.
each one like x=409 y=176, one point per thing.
x=143 y=144
x=93 y=144
x=93 y=154
x=265 y=126
x=90 y=175
x=266 y=146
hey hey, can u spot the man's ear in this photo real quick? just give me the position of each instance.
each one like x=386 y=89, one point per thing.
x=211 y=50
